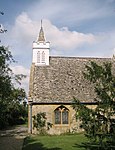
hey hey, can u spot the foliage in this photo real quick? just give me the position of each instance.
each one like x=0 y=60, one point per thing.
x=2 y=30
x=40 y=123
x=11 y=109
x=99 y=123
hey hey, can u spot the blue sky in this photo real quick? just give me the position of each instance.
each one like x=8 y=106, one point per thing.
x=83 y=28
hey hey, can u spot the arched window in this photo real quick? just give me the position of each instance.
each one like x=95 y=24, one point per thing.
x=57 y=116
x=65 y=116
x=61 y=115
x=38 y=57
x=43 y=57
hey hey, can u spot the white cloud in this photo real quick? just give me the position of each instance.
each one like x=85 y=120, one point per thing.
x=22 y=70
x=22 y=34
x=64 y=39
x=60 y=17
x=26 y=30
x=114 y=51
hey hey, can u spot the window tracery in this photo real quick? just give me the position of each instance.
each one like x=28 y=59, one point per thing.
x=61 y=115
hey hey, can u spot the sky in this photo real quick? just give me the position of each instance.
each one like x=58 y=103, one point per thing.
x=79 y=28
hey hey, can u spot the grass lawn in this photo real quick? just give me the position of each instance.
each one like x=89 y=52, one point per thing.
x=62 y=142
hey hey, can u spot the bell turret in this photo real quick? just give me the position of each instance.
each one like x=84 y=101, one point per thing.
x=41 y=50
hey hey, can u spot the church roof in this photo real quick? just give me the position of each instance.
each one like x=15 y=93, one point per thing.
x=62 y=80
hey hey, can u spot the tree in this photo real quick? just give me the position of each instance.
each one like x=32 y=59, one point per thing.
x=40 y=123
x=11 y=109
x=2 y=30
x=99 y=124
x=10 y=97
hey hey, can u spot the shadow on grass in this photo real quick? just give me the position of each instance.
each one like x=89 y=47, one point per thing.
x=94 y=146
x=31 y=144
x=80 y=146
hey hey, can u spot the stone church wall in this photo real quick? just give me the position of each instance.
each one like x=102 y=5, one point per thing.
x=72 y=127
x=58 y=83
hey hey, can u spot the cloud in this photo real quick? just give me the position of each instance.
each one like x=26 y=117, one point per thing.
x=74 y=28
x=114 y=51
x=64 y=39
x=69 y=12
x=22 y=33
x=26 y=30
x=22 y=70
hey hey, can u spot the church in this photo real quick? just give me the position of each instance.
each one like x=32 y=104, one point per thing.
x=54 y=83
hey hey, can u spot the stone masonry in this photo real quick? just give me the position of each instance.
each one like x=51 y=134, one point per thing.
x=57 y=84
x=62 y=80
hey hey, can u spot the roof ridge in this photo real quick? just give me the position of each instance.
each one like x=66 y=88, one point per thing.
x=80 y=57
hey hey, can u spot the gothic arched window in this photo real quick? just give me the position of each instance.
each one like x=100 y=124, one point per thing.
x=61 y=115
x=38 y=57
x=43 y=57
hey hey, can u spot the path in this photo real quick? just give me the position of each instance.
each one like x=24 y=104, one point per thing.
x=12 y=139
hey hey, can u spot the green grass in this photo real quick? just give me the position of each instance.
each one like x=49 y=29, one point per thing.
x=62 y=142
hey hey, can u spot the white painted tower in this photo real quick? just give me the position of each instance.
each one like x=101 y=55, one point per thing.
x=41 y=50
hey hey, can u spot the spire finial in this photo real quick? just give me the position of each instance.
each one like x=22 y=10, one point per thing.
x=41 y=23
x=41 y=34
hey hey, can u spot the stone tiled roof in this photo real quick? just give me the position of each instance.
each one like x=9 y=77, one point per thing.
x=62 y=80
